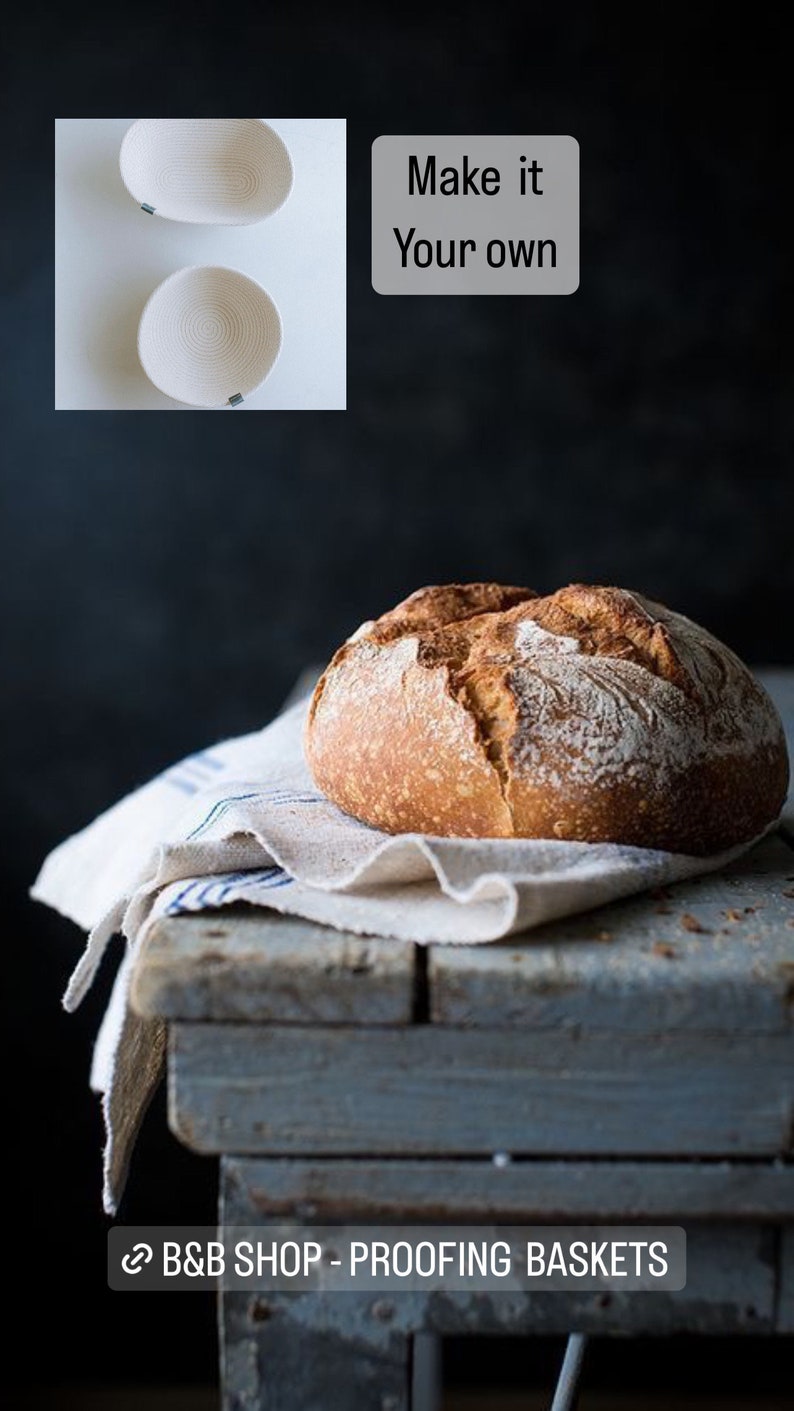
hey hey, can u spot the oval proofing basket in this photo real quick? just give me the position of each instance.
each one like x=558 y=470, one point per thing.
x=209 y=171
x=209 y=336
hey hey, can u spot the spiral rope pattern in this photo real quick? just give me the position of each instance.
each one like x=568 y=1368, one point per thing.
x=207 y=334
x=207 y=171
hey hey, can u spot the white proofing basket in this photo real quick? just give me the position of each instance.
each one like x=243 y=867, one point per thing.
x=208 y=171
x=209 y=336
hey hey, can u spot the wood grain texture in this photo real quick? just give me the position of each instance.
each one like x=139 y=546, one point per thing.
x=250 y=963
x=522 y=1192
x=732 y=1276
x=426 y=1090
x=640 y=964
x=730 y=1289
x=282 y=1353
x=732 y=1280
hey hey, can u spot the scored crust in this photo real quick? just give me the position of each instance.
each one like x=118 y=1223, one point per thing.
x=592 y=714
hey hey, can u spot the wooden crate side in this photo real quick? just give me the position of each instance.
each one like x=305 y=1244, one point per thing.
x=519 y=1192
x=425 y=1090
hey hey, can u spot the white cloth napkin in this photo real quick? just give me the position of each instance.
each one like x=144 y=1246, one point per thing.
x=244 y=822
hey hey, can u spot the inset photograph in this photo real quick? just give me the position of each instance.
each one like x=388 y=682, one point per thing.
x=200 y=264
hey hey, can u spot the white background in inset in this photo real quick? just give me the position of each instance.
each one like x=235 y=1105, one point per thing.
x=110 y=256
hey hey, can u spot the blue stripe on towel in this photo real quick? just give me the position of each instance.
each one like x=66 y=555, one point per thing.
x=200 y=892
x=279 y=797
x=209 y=759
x=193 y=772
x=185 y=786
x=268 y=877
x=177 y=905
x=217 y=810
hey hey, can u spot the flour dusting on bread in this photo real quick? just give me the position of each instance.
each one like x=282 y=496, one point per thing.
x=592 y=713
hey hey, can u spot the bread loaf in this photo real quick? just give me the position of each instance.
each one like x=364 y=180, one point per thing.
x=591 y=714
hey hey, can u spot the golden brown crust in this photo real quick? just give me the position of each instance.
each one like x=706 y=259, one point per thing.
x=439 y=606
x=592 y=714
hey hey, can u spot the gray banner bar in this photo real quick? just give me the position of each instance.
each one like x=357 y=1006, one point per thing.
x=380 y=1259
x=475 y=214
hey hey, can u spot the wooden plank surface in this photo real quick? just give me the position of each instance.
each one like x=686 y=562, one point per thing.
x=251 y=963
x=427 y=1090
x=730 y=1288
x=634 y=965
x=280 y=1353
x=520 y=1192
x=732 y=1283
x=714 y=953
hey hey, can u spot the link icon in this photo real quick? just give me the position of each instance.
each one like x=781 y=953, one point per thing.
x=139 y=1255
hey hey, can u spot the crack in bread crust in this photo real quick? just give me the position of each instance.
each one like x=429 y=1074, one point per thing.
x=430 y=609
x=485 y=699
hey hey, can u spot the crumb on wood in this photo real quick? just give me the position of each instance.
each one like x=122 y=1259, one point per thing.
x=664 y=948
x=732 y=914
x=691 y=923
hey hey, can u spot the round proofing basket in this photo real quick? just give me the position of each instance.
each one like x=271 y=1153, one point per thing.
x=209 y=336
x=208 y=171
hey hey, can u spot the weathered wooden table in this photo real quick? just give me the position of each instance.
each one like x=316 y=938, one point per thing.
x=636 y=1064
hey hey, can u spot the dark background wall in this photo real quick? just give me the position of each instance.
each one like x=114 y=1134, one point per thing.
x=166 y=577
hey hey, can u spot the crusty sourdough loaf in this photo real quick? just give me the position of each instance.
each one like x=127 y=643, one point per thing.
x=591 y=714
